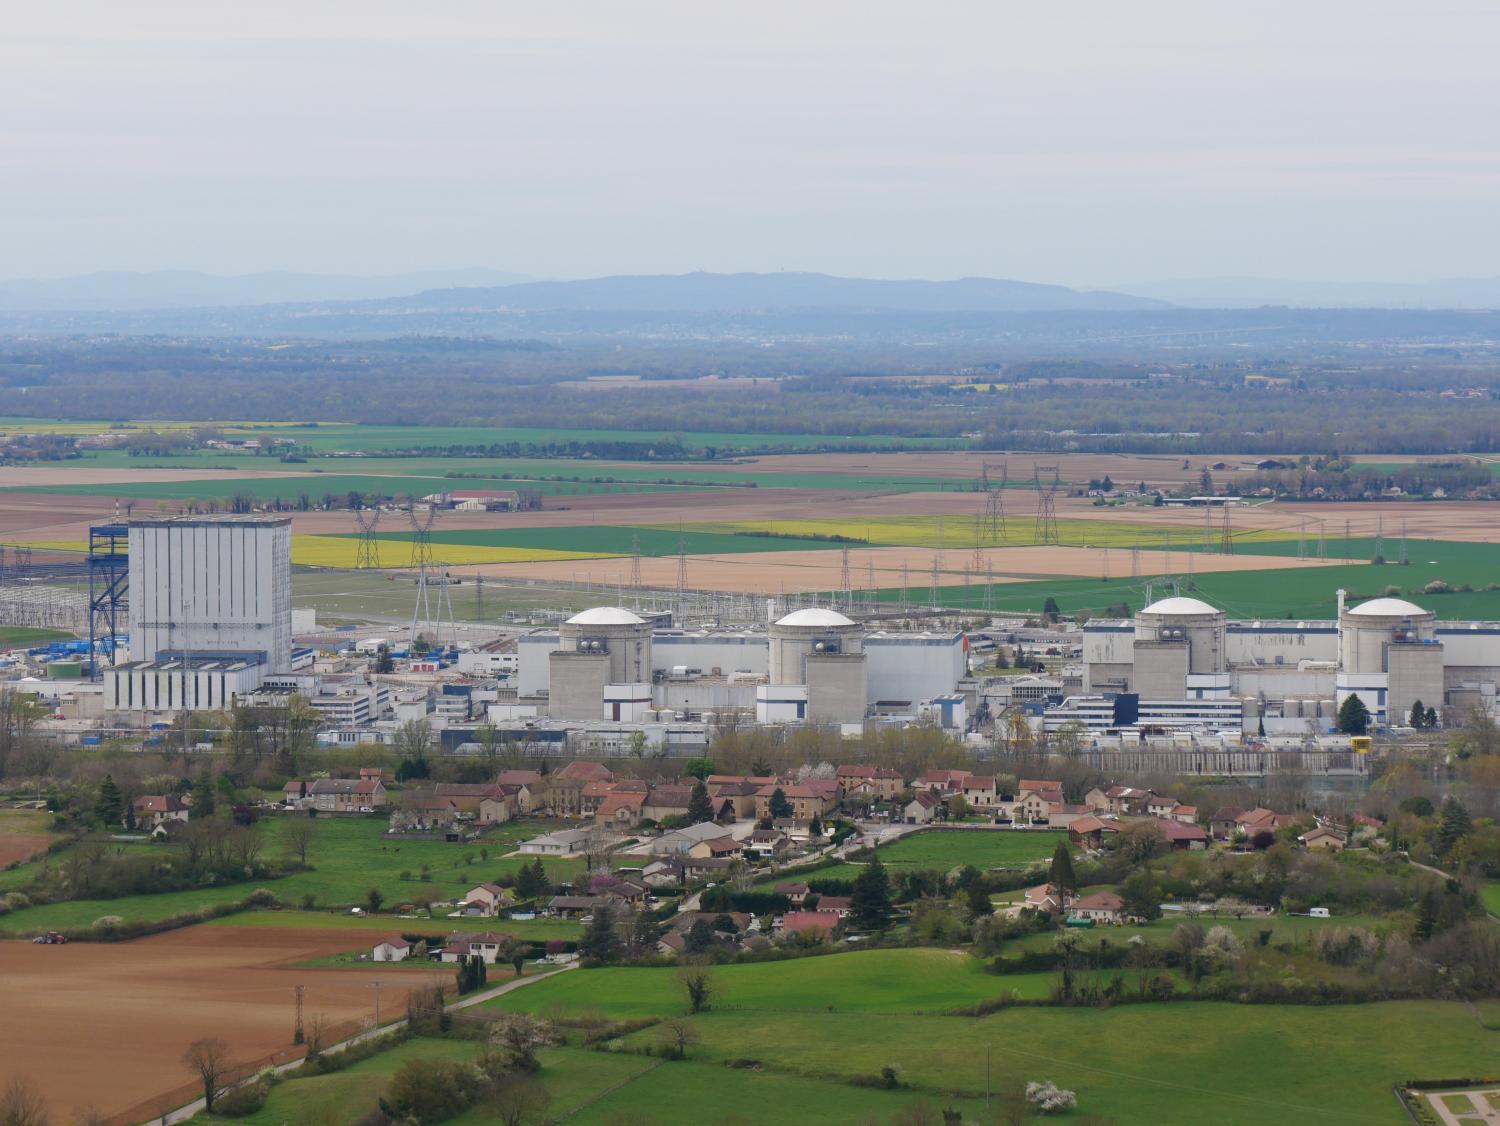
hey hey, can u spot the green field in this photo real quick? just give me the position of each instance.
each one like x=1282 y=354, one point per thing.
x=17 y=637
x=348 y=856
x=945 y=849
x=873 y=981
x=1489 y=891
x=1183 y=1063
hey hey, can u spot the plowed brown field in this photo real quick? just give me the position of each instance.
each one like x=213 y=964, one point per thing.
x=105 y=1026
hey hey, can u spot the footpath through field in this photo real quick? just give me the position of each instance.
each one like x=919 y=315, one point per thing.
x=185 y=1112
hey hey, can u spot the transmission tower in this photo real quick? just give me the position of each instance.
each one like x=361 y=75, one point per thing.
x=681 y=566
x=994 y=500
x=1401 y=551
x=846 y=592
x=1045 y=530
x=434 y=608
x=870 y=581
x=367 y=556
x=1208 y=529
x=932 y=587
x=989 y=588
x=1104 y=566
x=635 y=561
x=1226 y=538
x=478 y=596
x=421 y=536
x=1380 y=537
x=905 y=582
x=2 y=565
x=937 y=560
x=23 y=562
x=1322 y=539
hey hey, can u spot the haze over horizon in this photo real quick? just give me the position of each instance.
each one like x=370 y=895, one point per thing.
x=1076 y=147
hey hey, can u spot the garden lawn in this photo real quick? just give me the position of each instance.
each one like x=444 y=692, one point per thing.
x=984 y=848
x=1489 y=892
x=1185 y=1062
x=872 y=981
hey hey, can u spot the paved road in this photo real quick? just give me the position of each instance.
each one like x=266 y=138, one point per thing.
x=183 y=1113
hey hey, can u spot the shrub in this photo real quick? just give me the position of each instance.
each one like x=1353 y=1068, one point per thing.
x=243 y=1100
x=109 y=925
x=262 y=897
x=1048 y=1097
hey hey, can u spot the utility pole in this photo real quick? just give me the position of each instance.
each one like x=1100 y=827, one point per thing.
x=376 y=986
x=298 y=1037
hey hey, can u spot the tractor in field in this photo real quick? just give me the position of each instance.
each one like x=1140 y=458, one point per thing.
x=51 y=938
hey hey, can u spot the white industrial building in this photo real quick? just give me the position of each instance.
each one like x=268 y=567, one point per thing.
x=1182 y=662
x=810 y=666
x=210 y=610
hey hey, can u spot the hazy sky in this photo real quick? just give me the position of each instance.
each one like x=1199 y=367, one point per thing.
x=1086 y=142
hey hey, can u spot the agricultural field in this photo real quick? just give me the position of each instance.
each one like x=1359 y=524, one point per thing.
x=84 y=1001
x=343 y=552
x=348 y=856
x=363 y=927
x=23 y=834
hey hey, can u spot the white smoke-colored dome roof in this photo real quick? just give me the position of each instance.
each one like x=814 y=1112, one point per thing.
x=815 y=616
x=606 y=616
x=1179 y=605
x=1387 y=608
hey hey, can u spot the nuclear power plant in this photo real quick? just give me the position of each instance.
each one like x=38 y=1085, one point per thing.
x=1181 y=661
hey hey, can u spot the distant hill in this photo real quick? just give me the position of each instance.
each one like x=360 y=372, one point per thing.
x=1252 y=293
x=739 y=293
x=189 y=289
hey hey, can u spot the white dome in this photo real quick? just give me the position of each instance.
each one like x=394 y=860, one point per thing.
x=1179 y=606
x=816 y=616
x=1388 y=608
x=606 y=616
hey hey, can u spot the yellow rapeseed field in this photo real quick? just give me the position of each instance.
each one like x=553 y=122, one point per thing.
x=343 y=551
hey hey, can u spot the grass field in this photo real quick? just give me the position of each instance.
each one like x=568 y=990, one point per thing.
x=944 y=849
x=348 y=856
x=1182 y=1063
x=1489 y=891
x=921 y=980
x=613 y=540
x=17 y=637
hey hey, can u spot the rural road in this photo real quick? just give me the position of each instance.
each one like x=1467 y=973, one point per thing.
x=183 y=1113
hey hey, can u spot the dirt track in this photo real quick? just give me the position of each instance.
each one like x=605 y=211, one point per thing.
x=105 y=1025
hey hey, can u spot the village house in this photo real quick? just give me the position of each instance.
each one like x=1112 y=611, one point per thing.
x=662 y=802
x=344 y=795
x=576 y=906
x=1046 y=897
x=921 y=809
x=715 y=847
x=1049 y=791
x=1101 y=907
x=487 y=899
x=1122 y=801
x=1030 y=808
x=564 y=842
x=502 y=806
x=979 y=791
x=795 y=891
x=154 y=810
x=944 y=782
x=620 y=810
x=882 y=782
x=767 y=844
x=1224 y=822
x=486 y=945
x=1088 y=831
x=733 y=801
x=390 y=950
x=1182 y=837
x=819 y=924
x=666 y=872
x=1323 y=839
x=838 y=904
x=808 y=801
x=1261 y=820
